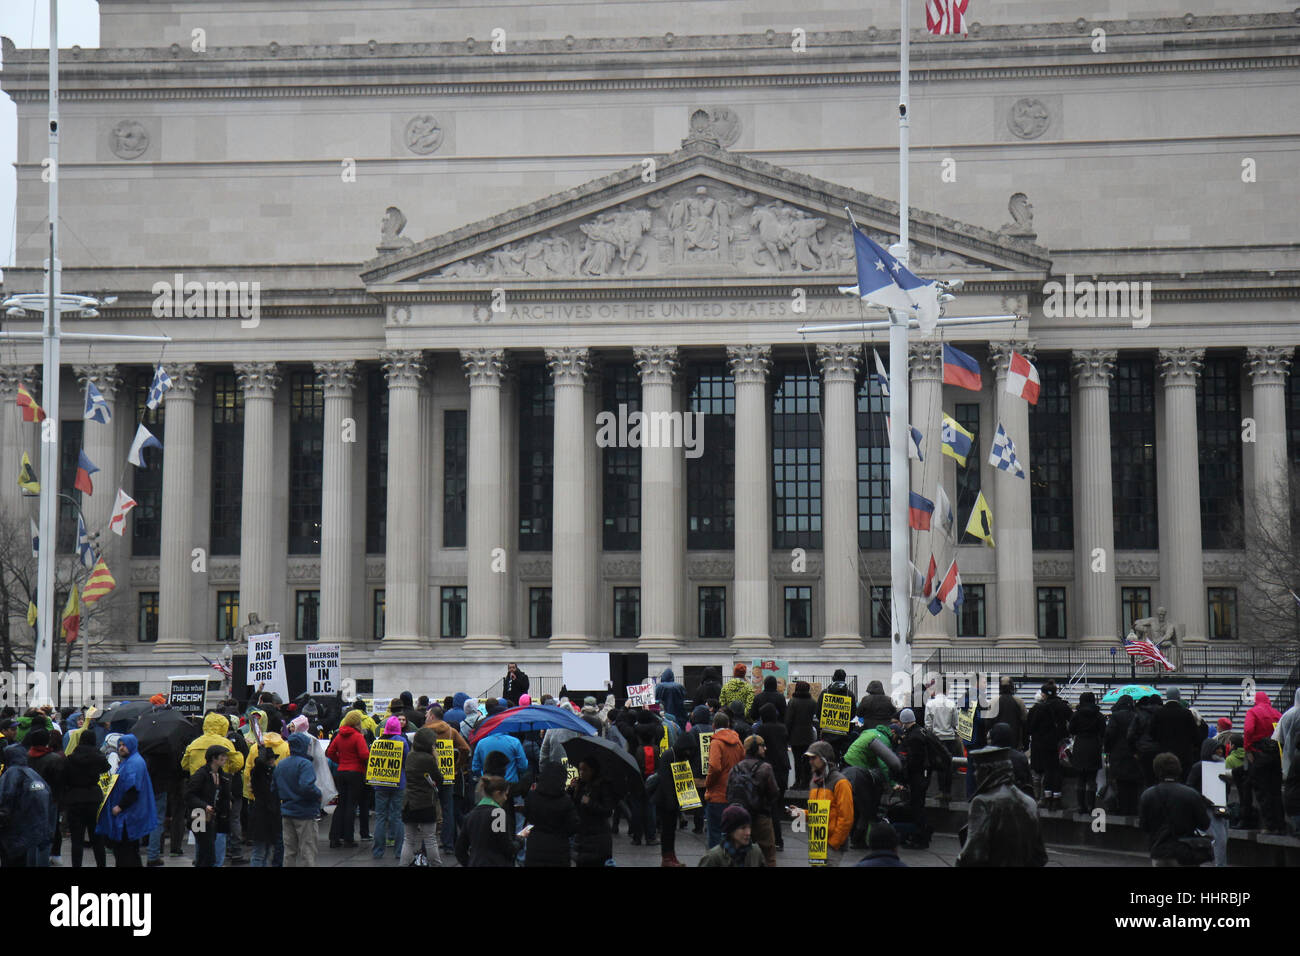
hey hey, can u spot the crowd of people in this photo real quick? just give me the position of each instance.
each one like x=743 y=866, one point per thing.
x=269 y=777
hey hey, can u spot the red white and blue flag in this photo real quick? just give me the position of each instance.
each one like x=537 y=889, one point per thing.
x=946 y=16
x=950 y=593
x=960 y=369
x=1144 y=652
x=919 y=511
x=85 y=468
x=1022 y=378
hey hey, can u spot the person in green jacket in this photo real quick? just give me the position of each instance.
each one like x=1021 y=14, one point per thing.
x=872 y=751
x=738 y=688
x=736 y=848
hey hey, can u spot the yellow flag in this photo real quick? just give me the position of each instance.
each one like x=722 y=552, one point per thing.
x=31 y=614
x=98 y=584
x=981 y=521
x=27 y=477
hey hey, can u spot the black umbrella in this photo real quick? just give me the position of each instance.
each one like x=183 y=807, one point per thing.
x=125 y=715
x=165 y=729
x=617 y=766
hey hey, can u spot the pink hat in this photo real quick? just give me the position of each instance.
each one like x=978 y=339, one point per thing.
x=298 y=725
x=393 y=725
x=525 y=700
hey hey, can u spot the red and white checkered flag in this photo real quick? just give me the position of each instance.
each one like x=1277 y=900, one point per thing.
x=946 y=16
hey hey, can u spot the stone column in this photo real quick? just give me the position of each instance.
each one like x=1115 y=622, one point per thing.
x=1268 y=366
x=925 y=369
x=14 y=433
x=751 y=594
x=175 y=578
x=406 y=542
x=1185 y=587
x=259 y=381
x=839 y=365
x=660 y=591
x=1095 y=532
x=486 y=544
x=570 y=578
x=338 y=380
x=1013 y=530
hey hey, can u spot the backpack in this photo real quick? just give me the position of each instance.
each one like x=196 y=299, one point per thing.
x=742 y=786
x=937 y=756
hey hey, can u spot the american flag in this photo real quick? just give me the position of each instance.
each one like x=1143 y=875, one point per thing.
x=1147 y=653
x=945 y=16
x=218 y=666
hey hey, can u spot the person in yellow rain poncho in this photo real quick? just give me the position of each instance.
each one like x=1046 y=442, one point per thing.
x=270 y=739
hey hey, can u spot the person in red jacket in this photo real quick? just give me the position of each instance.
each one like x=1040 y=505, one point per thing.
x=725 y=752
x=348 y=749
x=1264 y=762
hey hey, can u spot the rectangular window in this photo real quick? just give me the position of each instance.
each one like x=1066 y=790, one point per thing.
x=536 y=457
x=1133 y=454
x=377 y=611
x=627 y=612
x=713 y=612
x=1222 y=605
x=227 y=463
x=376 y=461
x=881 y=614
x=1051 y=482
x=306 y=461
x=453 y=611
x=124 y=688
x=797 y=459
x=798 y=611
x=1293 y=412
x=539 y=613
x=1135 y=604
x=711 y=478
x=455 y=476
x=70 y=443
x=970 y=616
x=146 y=483
x=146 y=617
x=873 y=468
x=967 y=415
x=306 y=615
x=227 y=616
x=1051 y=613
x=1218 y=436
x=622 y=504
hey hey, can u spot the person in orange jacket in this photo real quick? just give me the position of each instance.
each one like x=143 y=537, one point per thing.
x=829 y=784
x=724 y=753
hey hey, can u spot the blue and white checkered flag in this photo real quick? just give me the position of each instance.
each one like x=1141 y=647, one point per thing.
x=161 y=383
x=1003 y=453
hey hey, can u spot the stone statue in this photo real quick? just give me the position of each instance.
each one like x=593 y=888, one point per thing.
x=1022 y=218
x=390 y=232
x=1159 y=631
x=254 y=626
x=699 y=223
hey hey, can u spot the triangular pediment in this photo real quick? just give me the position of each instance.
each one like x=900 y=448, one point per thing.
x=699 y=213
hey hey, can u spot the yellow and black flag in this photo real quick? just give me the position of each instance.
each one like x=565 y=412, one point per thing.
x=27 y=477
x=981 y=521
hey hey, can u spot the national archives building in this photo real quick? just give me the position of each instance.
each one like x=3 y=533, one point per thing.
x=578 y=412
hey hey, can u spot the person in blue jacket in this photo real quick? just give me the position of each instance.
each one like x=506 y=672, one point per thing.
x=129 y=813
x=24 y=809
x=295 y=781
x=517 y=760
x=671 y=696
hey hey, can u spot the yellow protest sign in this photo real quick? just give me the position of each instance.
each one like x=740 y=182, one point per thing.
x=837 y=711
x=384 y=769
x=966 y=724
x=663 y=741
x=819 y=818
x=107 y=781
x=688 y=798
x=446 y=760
x=706 y=741
x=570 y=771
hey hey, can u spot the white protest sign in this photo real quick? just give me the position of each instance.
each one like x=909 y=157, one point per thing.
x=324 y=668
x=266 y=664
x=641 y=695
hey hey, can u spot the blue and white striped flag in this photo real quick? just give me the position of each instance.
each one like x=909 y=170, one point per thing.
x=161 y=383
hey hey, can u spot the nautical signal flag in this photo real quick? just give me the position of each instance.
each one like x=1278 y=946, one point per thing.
x=27 y=477
x=36 y=538
x=884 y=281
x=881 y=376
x=943 y=511
x=918 y=582
x=949 y=594
x=158 y=387
x=1022 y=378
x=98 y=584
x=946 y=16
x=32 y=412
x=31 y=614
x=919 y=511
x=123 y=504
x=914 y=440
x=956 y=440
x=960 y=369
x=84 y=549
x=143 y=439
x=980 y=524
x=72 y=615
x=85 y=468
x=1003 y=453
x=96 y=409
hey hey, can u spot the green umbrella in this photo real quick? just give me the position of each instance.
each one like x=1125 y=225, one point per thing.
x=1136 y=691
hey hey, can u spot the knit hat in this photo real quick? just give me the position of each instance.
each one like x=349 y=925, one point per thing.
x=882 y=836
x=820 y=748
x=1224 y=724
x=1173 y=693
x=740 y=670
x=525 y=700
x=588 y=702
x=839 y=675
x=700 y=715
x=158 y=700
x=40 y=737
x=733 y=817
x=393 y=725
x=907 y=716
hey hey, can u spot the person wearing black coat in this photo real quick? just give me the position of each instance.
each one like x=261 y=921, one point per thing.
x=769 y=695
x=876 y=707
x=1046 y=726
x=710 y=686
x=514 y=685
x=777 y=738
x=688 y=749
x=81 y=797
x=553 y=818
x=1088 y=725
x=265 y=826
x=594 y=801
x=1170 y=811
x=1010 y=710
x=208 y=792
x=1000 y=735
x=1122 y=769
x=1175 y=729
x=742 y=727
x=483 y=839
x=1141 y=737
x=667 y=809
x=838 y=685
x=800 y=714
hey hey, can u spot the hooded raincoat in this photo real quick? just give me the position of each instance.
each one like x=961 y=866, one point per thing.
x=133 y=793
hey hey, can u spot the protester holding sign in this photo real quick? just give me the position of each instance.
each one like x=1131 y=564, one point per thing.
x=453 y=755
x=420 y=807
x=725 y=751
x=389 y=799
x=295 y=782
x=829 y=784
x=349 y=752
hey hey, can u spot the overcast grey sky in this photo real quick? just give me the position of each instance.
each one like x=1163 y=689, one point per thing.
x=27 y=23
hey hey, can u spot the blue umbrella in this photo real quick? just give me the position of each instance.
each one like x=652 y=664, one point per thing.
x=1136 y=691
x=519 y=720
